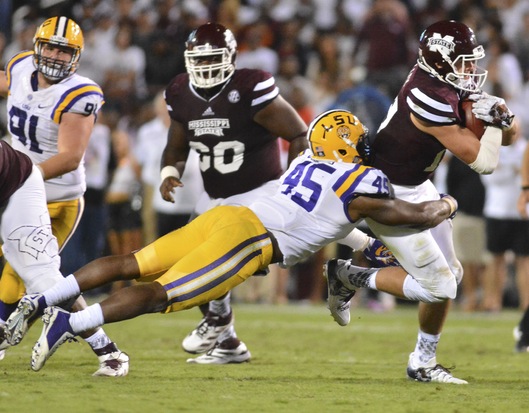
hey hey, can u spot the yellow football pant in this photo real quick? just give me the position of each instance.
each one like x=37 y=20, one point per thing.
x=204 y=260
x=65 y=217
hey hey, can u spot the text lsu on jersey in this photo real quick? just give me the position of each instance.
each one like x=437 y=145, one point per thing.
x=34 y=115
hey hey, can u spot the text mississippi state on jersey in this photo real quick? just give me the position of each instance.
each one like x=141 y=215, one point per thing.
x=236 y=153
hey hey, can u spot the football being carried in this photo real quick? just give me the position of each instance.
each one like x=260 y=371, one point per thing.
x=482 y=109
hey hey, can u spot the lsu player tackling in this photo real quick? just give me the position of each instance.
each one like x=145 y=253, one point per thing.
x=51 y=114
x=232 y=118
x=321 y=198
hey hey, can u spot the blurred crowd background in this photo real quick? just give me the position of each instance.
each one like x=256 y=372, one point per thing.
x=323 y=54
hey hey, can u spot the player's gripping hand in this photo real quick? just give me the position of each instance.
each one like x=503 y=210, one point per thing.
x=167 y=187
x=378 y=255
x=492 y=110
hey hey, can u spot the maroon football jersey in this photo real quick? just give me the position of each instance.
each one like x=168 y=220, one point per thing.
x=236 y=153
x=405 y=154
x=15 y=167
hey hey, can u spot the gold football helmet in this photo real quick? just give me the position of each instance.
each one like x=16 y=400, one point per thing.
x=60 y=32
x=337 y=135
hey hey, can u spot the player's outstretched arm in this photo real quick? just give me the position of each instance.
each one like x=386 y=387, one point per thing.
x=395 y=212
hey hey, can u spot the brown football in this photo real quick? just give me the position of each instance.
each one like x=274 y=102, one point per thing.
x=471 y=122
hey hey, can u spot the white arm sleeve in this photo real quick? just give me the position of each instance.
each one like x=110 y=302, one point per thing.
x=489 y=151
x=356 y=240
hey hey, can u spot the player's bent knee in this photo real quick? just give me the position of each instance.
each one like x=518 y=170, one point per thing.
x=445 y=288
x=440 y=284
x=414 y=291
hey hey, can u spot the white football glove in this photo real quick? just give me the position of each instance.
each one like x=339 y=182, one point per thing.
x=491 y=110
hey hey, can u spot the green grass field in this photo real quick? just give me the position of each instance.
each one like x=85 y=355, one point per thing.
x=302 y=362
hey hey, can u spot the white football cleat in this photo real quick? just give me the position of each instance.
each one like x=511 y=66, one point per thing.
x=430 y=372
x=112 y=362
x=3 y=342
x=339 y=296
x=220 y=355
x=204 y=337
x=56 y=331
x=27 y=311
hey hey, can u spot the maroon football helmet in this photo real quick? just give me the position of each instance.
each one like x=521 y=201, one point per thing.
x=210 y=55
x=449 y=51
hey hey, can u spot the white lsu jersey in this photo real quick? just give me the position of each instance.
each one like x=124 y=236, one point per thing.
x=34 y=115
x=310 y=209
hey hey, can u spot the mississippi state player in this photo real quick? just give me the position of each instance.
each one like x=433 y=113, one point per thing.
x=424 y=121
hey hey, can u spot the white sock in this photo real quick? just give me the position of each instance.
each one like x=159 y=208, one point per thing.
x=221 y=307
x=426 y=346
x=372 y=281
x=90 y=317
x=63 y=290
x=98 y=340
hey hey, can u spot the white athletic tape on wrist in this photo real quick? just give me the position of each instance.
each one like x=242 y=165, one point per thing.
x=489 y=151
x=168 y=171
